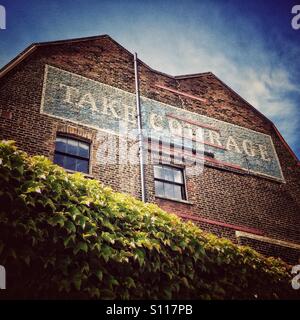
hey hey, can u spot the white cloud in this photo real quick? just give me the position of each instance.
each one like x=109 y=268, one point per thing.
x=254 y=72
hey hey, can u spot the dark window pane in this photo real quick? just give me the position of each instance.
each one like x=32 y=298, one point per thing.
x=173 y=187
x=178 y=176
x=178 y=192
x=73 y=151
x=70 y=163
x=159 y=188
x=59 y=159
x=61 y=144
x=82 y=166
x=72 y=147
x=158 y=172
x=169 y=175
x=84 y=149
x=169 y=190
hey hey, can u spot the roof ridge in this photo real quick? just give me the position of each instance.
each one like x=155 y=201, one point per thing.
x=33 y=46
x=72 y=40
x=192 y=75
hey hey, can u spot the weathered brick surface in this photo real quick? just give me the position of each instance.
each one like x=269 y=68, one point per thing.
x=240 y=199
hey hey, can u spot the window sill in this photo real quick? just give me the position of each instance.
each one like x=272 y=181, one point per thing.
x=86 y=175
x=174 y=200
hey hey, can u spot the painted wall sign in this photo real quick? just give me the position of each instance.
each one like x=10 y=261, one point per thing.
x=78 y=99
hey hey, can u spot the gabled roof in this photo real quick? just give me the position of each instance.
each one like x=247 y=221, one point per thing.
x=30 y=49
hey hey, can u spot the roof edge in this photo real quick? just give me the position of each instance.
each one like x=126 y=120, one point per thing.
x=15 y=61
x=265 y=118
x=31 y=48
x=286 y=145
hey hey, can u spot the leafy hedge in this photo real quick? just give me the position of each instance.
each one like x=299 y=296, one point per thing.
x=65 y=236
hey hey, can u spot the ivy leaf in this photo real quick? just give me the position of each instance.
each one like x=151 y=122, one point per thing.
x=106 y=252
x=185 y=281
x=140 y=256
x=77 y=281
x=129 y=282
x=113 y=281
x=81 y=246
x=70 y=227
x=33 y=186
x=74 y=212
x=57 y=219
x=108 y=237
x=50 y=203
x=82 y=221
x=69 y=239
x=99 y=274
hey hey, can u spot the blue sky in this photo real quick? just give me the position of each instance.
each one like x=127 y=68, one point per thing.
x=250 y=45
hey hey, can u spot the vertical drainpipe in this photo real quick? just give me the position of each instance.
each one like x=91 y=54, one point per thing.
x=139 y=122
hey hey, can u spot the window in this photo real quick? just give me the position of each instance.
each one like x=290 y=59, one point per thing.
x=72 y=154
x=169 y=182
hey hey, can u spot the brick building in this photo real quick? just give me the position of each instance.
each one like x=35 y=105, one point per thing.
x=69 y=100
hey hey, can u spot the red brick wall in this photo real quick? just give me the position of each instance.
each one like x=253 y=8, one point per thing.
x=224 y=196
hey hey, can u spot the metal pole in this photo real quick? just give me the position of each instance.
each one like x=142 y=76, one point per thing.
x=139 y=121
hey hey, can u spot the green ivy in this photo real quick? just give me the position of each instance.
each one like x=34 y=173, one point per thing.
x=65 y=236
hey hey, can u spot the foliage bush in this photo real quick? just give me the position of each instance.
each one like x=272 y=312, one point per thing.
x=66 y=236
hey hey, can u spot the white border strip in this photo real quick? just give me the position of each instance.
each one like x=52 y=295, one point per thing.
x=282 y=243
